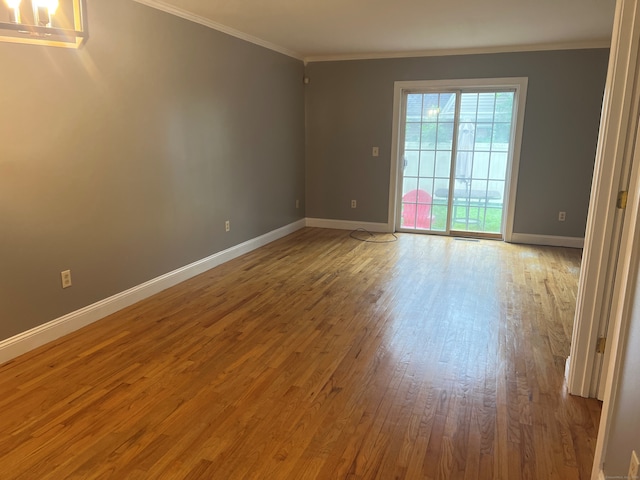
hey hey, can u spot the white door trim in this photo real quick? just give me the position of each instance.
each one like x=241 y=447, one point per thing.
x=626 y=278
x=601 y=242
x=517 y=83
x=622 y=78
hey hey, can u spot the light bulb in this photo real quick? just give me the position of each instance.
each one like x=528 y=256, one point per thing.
x=14 y=11
x=51 y=5
x=42 y=11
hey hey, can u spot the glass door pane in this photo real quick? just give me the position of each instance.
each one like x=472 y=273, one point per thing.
x=484 y=135
x=428 y=149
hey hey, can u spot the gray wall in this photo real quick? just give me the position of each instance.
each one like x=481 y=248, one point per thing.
x=121 y=161
x=349 y=110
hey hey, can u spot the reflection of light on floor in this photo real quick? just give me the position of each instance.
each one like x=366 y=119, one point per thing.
x=572 y=269
x=445 y=317
x=443 y=321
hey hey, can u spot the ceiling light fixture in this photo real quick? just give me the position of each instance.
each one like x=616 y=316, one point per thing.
x=58 y=23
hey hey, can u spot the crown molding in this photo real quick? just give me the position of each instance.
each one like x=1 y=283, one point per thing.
x=602 y=43
x=178 y=12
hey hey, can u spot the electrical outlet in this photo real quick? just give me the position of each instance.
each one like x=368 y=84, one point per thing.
x=633 y=466
x=375 y=152
x=227 y=226
x=297 y=203
x=562 y=216
x=66 y=278
x=354 y=204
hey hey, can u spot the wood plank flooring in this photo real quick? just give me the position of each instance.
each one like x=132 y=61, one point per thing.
x=317 y=357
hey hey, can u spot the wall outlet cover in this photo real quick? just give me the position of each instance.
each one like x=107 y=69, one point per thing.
x=66 y=278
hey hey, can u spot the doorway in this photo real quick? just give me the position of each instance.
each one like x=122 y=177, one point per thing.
x=457 y=144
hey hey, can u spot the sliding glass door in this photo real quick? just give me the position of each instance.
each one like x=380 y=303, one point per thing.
x=428 y=148
x=454 y=150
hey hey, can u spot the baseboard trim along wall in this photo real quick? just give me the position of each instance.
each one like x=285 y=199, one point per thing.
x=347 y=225
x=526 y=238
x=50 y=331
x=550 y=240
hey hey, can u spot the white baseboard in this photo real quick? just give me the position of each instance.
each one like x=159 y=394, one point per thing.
x=551 y=240
x=347 y=225
x=50 y=331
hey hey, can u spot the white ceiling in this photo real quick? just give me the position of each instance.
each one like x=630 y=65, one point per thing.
x=326 y=29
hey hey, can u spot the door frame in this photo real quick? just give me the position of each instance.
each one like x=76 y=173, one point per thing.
x=619 y=138
x=605 y=243
x=519 y=84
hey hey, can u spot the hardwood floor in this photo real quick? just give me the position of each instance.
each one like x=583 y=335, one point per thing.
x=318 y=357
